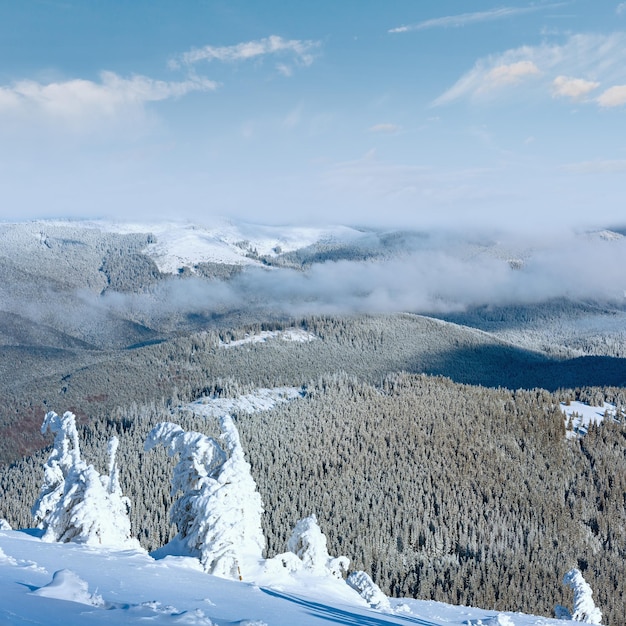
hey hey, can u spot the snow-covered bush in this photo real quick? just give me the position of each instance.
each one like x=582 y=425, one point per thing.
x=584 y=609
x=308 y=543
x=218 y=515
x=369 y=590
x=4 y=525
x=76 y=503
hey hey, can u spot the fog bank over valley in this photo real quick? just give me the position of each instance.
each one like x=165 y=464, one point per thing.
x=105 y=285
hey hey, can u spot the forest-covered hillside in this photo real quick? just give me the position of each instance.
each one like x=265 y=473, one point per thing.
x=453 y=492
x=427 y=439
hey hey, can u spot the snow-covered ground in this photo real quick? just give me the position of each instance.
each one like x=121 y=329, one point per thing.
x=262 y=399
x=583 y=415
x=293 y=334
x=97 y=586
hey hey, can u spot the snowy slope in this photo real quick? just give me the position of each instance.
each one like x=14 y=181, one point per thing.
x=108 y=587
x=181 y=244
x=297 y=335
x=260 y=400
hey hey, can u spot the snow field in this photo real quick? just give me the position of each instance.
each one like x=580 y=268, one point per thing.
x=262 y=399
x=180 y=244
x=136 y=589
x=293 y=334
x=582 y=415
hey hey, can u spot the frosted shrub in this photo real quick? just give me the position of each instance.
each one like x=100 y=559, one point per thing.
x=218 y=514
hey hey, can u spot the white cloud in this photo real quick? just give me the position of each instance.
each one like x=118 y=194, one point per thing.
x=470 y=18
x=613 y=97
x=574 y=88
x=80 y=103
x=511 y=74
x=301 y=50
x=598 y=58
x=621 y=8
x=385 y=128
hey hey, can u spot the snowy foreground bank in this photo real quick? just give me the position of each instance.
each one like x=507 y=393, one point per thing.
x=95 y=586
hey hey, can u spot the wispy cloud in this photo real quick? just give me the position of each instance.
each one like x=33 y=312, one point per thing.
x=441 y=271
x=397 y=185
x=293 y=118
x=573 y=69
x=301 y=51
x=386 y=128
x=621 y=8
x=80 y=103
x=464 y=19
x=511 y=74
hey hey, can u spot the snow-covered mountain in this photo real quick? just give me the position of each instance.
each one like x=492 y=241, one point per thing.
x=99 y=314
x=178 y=244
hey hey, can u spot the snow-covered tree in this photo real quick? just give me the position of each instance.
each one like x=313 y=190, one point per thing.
x=218 y=514
x=76 y=503
x=308 y=543
x=584 y=609
x=369 y=590
x=65 y=454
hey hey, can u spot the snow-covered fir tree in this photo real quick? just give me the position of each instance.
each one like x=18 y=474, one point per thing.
x=218 y=514
x=585 y=609
x=308 y=543
x=362 y=583
x=65 y=454
x=76 y=503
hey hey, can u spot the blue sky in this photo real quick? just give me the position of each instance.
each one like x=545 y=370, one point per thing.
x=447 y=113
